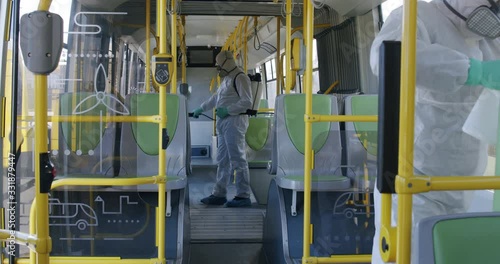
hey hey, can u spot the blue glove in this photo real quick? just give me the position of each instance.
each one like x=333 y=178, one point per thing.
x=485 y=73
x=221 y=112
x=197 y=112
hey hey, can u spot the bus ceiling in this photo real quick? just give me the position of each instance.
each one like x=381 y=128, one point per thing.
x=238 y=8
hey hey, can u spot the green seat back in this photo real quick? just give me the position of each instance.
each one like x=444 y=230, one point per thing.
x=467 y=240
x=294 y=107
x=263 y=104
x=146 y=134
x=82 y=136
x=257 y=132
x=366 y=105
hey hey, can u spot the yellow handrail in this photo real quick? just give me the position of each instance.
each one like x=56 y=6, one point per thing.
x=245 y=46
x=20 y=238
x=308 y=155
x=288 y=47
x=445 y=183
x=108 y=181
x=265 y=110
x=279 y=63
x=345 y=259
x=330 y=89
x=288 y=71
x=160 y=218
x=183 y=49
x=115 y=119
x=44 y=5
x=173 y=47
x=340 y=118
x=44 y=243
x=406 y=130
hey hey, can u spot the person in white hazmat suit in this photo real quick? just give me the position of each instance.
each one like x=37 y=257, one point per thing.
x=457 y=57
x=233 y=97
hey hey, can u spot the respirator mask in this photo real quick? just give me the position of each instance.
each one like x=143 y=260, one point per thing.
x=484 y=20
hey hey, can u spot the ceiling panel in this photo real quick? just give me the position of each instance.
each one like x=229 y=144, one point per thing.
x=209 y=30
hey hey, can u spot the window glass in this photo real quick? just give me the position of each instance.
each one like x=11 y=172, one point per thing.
x=271 y=93
x=269 y=71
x=273 y=64
x=315 y=55
x=315 y=82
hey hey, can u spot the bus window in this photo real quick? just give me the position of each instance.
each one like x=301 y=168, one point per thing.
x=270 y=69
x=315 y=76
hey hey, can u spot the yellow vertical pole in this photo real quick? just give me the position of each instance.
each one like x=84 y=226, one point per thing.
x=184 y=50
x=162 y=153
x=406 y=131
x=245 y=47
x=8 y=101
x=240 y=35
x=173 y=44
x=309 y=16
x=54 y=137
x=158 y=17
x=385 y=224
x=288 y=46
x=147 y=77
x=24 y=111
x=42 y=205
x=278 y=56
x=237 y=38
x=44 y=244
x=32 y=229
x=6 y=36
x=92 y=222
x=44 y=5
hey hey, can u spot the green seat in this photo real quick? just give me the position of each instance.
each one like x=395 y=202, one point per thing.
x=288 y=152
x=84 y=147
x=140 y=141
x=361 y=140
x=264 y=104
x=367 y=131
x=83 y=136
x=257 y=132
x=294 y=120
x=459 y=239
x=146 y=134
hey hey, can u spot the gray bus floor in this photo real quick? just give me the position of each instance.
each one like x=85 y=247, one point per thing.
x=220 y=234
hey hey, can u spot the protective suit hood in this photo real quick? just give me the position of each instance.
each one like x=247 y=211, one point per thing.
x=464 y=7
x=225 y=63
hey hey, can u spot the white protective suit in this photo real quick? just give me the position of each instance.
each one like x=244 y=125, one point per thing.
x=231 y=130
x=442 y=103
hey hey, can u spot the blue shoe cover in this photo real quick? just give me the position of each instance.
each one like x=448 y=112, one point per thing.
x=239 y=202
x=214 y=200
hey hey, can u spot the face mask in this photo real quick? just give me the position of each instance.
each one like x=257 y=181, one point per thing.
x=484 y=20
x=222 y=73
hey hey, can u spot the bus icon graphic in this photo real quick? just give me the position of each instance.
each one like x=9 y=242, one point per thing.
x=71 y=214
x=352 y=203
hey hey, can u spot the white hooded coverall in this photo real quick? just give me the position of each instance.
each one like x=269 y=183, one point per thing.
x=442 y=103
x=231 y=130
